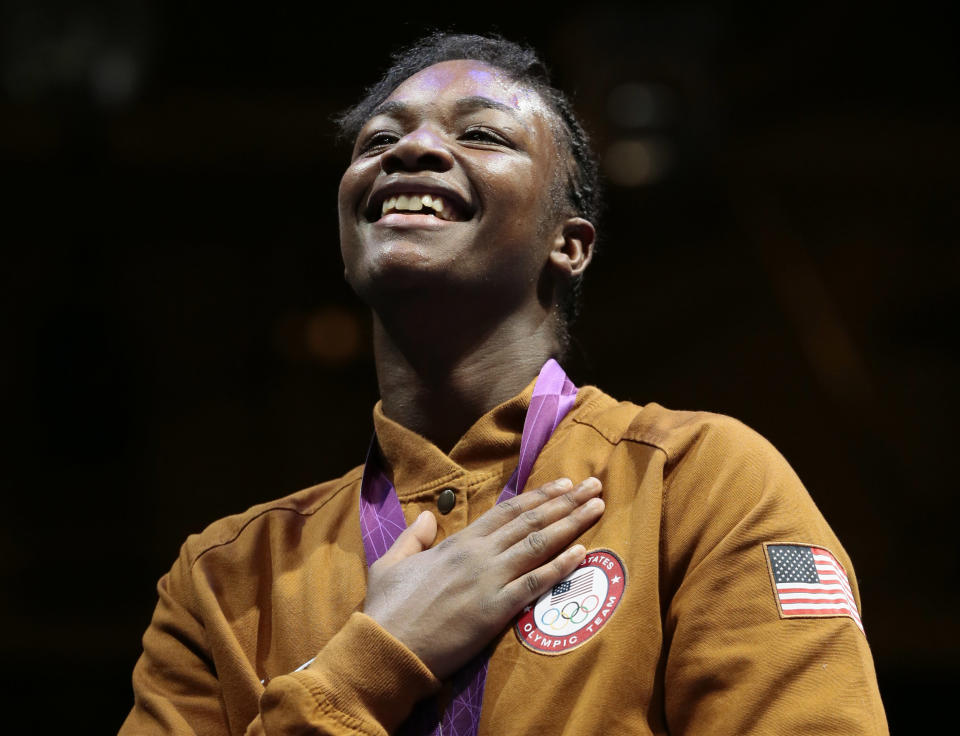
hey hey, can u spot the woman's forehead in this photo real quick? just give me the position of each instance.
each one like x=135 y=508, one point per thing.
x=467 y=78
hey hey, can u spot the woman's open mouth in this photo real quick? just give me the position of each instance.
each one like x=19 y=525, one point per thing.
x=419 y=204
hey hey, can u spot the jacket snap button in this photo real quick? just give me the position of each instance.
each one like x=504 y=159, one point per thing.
x=448 y=498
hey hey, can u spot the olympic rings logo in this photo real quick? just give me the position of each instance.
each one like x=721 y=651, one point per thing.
x=572 y=612
x=575 y=609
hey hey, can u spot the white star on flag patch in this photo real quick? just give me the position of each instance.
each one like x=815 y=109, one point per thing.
x=809 y=582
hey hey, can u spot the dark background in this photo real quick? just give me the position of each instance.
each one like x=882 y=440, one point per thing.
x=780 y=245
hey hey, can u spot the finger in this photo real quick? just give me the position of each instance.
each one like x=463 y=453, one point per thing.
x=510 y=509
x=544 y=514
x=531 y=585
x=540 y=545
x=415 y=538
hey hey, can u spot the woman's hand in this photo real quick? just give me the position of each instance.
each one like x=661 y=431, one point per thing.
x=447 y=603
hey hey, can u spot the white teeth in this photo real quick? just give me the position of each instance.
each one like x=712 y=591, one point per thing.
x=440 y=207
x=416 y=203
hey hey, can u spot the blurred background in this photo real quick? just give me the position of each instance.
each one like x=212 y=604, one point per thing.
x=780 y=245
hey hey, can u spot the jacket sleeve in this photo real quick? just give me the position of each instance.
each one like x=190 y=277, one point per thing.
x=363 y=680
x=734 y=665
x=175 y=686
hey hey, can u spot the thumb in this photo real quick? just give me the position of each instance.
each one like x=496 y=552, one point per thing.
x=415 y=538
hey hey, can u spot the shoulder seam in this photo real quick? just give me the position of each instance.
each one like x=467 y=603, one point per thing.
x=266 y=511
x=622 y=438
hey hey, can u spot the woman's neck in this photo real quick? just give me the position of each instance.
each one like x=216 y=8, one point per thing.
x=438 y=382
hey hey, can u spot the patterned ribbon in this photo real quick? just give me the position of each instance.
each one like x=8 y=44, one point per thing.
x=382 y=521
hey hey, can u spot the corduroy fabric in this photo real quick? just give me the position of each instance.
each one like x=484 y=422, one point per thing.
x=696 y=646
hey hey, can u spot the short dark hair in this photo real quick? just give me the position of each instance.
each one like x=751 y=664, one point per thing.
x=521 y=64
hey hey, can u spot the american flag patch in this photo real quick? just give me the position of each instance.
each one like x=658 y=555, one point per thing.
x=810 y=582
x=582 y=583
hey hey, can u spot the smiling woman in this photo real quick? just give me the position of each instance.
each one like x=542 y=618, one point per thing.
x=466 y=133
x=465 y=222
x=575 y=189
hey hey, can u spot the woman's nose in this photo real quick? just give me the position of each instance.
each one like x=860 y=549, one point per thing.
x=419 y=150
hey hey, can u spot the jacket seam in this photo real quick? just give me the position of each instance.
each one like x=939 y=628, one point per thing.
x=661 y=545
x=266 y=511
x=451 y=478
x=623 y=438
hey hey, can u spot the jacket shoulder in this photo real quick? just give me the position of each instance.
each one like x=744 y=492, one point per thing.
x=305 y=502
x=673 y=432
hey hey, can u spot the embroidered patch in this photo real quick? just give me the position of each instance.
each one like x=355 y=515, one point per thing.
x=576 y=608
x=809 y=582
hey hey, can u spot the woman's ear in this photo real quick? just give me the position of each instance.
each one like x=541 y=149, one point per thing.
x=573 y=246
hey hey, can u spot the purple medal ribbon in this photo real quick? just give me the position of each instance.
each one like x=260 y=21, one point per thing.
x=382 y=521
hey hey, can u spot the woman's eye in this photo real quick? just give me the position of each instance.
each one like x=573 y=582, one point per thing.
x=378 y=140
x=483 y=135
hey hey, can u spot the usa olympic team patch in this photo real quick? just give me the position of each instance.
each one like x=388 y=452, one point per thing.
x=576 y=608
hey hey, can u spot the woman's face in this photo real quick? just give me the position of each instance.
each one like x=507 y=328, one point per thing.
x=452 y=185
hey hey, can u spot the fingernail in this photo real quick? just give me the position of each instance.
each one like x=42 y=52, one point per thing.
x=595 y=504
x=591 y=483
x=564 y=483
